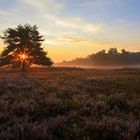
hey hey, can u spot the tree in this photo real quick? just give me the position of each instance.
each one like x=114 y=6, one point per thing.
x=113 y=51
x=23 y=47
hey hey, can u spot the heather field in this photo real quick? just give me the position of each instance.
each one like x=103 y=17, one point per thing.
x=70 y=104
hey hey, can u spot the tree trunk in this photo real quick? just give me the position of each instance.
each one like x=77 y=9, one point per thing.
x=23 y=66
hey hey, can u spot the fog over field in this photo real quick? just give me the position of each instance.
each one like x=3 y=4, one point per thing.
x=110 y=59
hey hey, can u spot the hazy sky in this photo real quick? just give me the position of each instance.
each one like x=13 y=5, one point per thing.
x=75 y=28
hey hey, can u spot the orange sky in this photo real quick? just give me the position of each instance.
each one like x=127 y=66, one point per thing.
x=77 y=28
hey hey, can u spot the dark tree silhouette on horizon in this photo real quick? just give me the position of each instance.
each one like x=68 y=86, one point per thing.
x=107 y=58
x=23 y=47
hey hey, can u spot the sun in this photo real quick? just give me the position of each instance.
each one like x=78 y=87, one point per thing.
x=23 y=56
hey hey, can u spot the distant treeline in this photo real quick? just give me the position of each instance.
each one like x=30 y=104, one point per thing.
x=108 y=58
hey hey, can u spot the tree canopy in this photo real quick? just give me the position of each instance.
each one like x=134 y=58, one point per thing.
x=23 y=46
x=108 y=58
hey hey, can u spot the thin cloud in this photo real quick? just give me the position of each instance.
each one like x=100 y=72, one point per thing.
x=121 y=20
x=45 y=5
x=3 y=13
x=96 y=3
x=80 y=25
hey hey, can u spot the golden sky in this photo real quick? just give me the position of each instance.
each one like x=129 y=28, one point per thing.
x=76 y=28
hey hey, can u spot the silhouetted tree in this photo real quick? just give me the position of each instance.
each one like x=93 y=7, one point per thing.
x=111 y=58
x=23 y=47
x=112 y=51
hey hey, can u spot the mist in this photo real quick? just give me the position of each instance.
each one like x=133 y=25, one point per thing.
x=106 y=59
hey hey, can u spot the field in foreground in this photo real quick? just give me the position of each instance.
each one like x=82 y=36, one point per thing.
x=70 y=103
